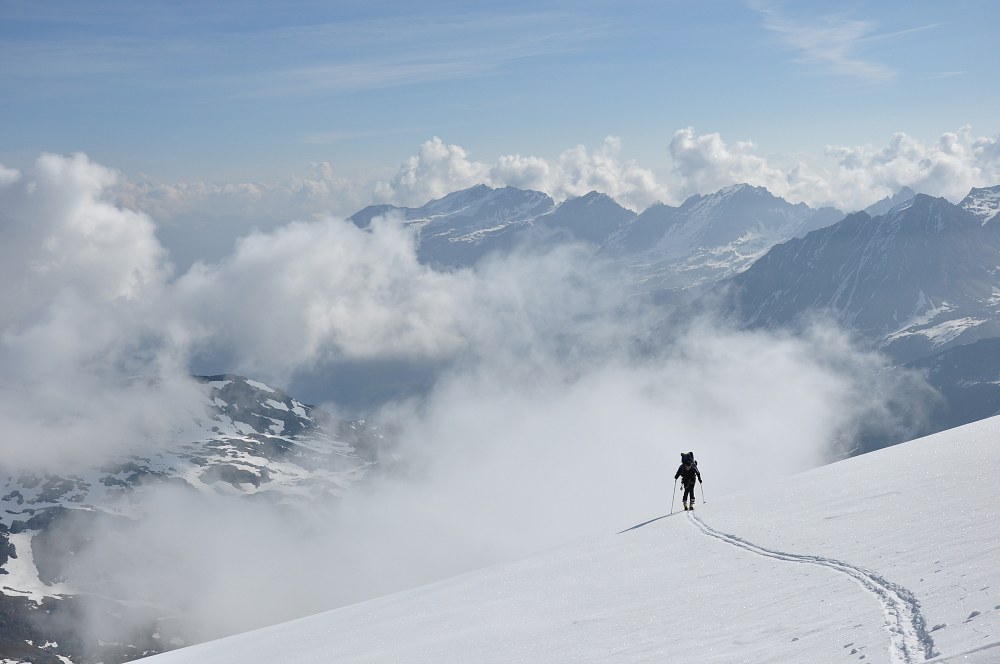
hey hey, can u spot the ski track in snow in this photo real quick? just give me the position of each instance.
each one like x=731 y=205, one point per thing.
x=908 y=636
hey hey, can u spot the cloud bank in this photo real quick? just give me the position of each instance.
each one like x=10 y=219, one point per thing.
x=849 y=178
x=201 y=221
x=439 y=169
x=85 y=363
x=329 y=291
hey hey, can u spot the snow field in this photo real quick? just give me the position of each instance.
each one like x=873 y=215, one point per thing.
x=21 y=578
x=662 y=594
x=891 y=557
x=923 y=515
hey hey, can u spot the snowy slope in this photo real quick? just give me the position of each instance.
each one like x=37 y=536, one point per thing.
x=709 y=238
x=465 y=225
x=893 y=557
x=885 y=205
x=590 y=218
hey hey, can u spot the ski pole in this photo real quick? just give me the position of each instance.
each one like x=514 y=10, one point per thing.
x=674 y=497
x=702 y=492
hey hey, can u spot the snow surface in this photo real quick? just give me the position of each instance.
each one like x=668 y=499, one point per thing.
x=941 y=333
x=984 y=203
x=22 y=579
x=890 y=557
x=260 y=386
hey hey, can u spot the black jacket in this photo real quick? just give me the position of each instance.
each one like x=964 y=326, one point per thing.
x=689 y=474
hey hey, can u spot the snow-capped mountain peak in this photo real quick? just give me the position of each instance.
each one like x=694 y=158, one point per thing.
x=741 y=188
x=463 y=226
x=710 y=237
x=592 y=217
x=984 y=203
x=915 y=280
x=466 y=200
x=595 y=197
x=883 y=206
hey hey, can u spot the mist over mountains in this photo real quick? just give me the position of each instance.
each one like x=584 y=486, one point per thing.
x=912 y=276
x=307 y=305
x=486 y=335
x=79 y=546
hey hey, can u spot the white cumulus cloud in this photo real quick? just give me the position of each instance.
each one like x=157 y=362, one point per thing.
x=580 y=171
x=60 y=235
x=705 y=163
x=847 y=177
x=948 y=167
x=436 y=170
x=85 y=364
x=328 y=291
x=439 y=169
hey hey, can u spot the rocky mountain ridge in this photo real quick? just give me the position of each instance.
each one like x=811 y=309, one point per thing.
x=251 y=442
x=983 y=202
x=462 y=227
x=709 y=238
x=917 y=280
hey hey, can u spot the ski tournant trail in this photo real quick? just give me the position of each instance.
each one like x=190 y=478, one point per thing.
x=909 y=639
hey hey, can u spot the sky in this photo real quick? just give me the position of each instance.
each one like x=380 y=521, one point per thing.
x=647 y=100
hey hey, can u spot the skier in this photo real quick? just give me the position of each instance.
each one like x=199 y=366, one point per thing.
x=688 y=470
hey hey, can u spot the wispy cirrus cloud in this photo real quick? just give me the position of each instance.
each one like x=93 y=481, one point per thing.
x=265 y=56
x=942 y=75
x=386 y=55
x=833 y=42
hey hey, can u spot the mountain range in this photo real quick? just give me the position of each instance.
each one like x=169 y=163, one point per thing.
x=921 y=278
x=920 y=282
x=705 y=239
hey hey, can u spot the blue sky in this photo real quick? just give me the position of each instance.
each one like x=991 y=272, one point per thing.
x=235 y=91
